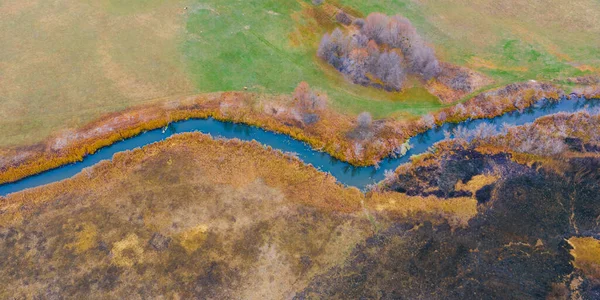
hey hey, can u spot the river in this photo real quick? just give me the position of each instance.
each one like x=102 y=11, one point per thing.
x=345 y=173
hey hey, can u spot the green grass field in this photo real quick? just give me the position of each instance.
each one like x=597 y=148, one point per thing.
x=65 y=63
x=507 y=40
x=231 y=45
x=264 y=45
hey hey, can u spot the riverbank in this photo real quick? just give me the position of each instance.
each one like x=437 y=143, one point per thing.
x=331 y=133
x=548 y=144
x=245 y=214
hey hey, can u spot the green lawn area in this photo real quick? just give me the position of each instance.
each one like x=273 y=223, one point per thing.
x=252 y=43
x=507 y=40
x=232 y=45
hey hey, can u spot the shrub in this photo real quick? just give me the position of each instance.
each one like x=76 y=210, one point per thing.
x=483 y=131
x=308 y=103
x=389 y=70
x=461 y=82
x=375 y=26
x=343 y=18
x=309 y=119
x=307 y=100
x=359 y=23
x=398 y=32
x=364 y=120
x=428 y=120
x=423 y=62
x=364 y=129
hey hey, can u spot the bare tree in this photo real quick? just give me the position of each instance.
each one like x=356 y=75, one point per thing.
x=356 y=66
x=364 y=129
x=389 y=70
x=428 y=120
x=360 y=58
x=375 y=26
x=423 y=62
x=364 y=119
x=325 y=47
x=308 y=100
x=399 y=30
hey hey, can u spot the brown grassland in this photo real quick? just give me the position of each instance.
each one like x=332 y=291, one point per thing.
x=218 y=216
x=66 y=63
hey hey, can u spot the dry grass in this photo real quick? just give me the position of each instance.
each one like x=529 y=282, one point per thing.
x=270 y=112
x=476 y=183
x=274 y=113
x=231 y=162
x=586 y=251
x=456 y=211
x=250 y=216
x=65 y=63
x=192 y=216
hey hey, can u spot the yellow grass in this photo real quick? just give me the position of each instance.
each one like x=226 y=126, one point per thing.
x=457 y=211
x=65 y=63
x=586 y=251
x=476 y=183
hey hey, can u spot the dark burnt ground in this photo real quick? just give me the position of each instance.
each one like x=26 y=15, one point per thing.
x=515 y=248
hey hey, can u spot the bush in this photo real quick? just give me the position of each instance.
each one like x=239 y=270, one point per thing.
x=343 y=18
x=308 y=103
x=359 y=23
x=364 y=120
x=461 y=82
x=398 y=32
x=483 y=131
x=364 y=128
x=388 y=69
x=307 y=100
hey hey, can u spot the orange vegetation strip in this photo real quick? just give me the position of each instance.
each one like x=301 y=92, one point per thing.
x=185 y=160
x=119 y=126
x=222 y=162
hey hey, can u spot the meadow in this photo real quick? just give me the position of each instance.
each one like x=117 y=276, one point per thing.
x=65 y=63
x=231 y=45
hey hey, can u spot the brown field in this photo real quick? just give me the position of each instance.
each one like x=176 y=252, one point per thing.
x=218 y=216
x=64 y=63
x=222 y=219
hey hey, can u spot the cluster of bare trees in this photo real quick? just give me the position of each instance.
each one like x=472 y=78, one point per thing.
x=381 y=50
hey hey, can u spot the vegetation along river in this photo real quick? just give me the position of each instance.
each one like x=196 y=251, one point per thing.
x=345 y=173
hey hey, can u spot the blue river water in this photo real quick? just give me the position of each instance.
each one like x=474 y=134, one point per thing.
x=345 y=173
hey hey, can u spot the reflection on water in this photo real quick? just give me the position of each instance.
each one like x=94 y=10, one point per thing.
x=344 y=172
